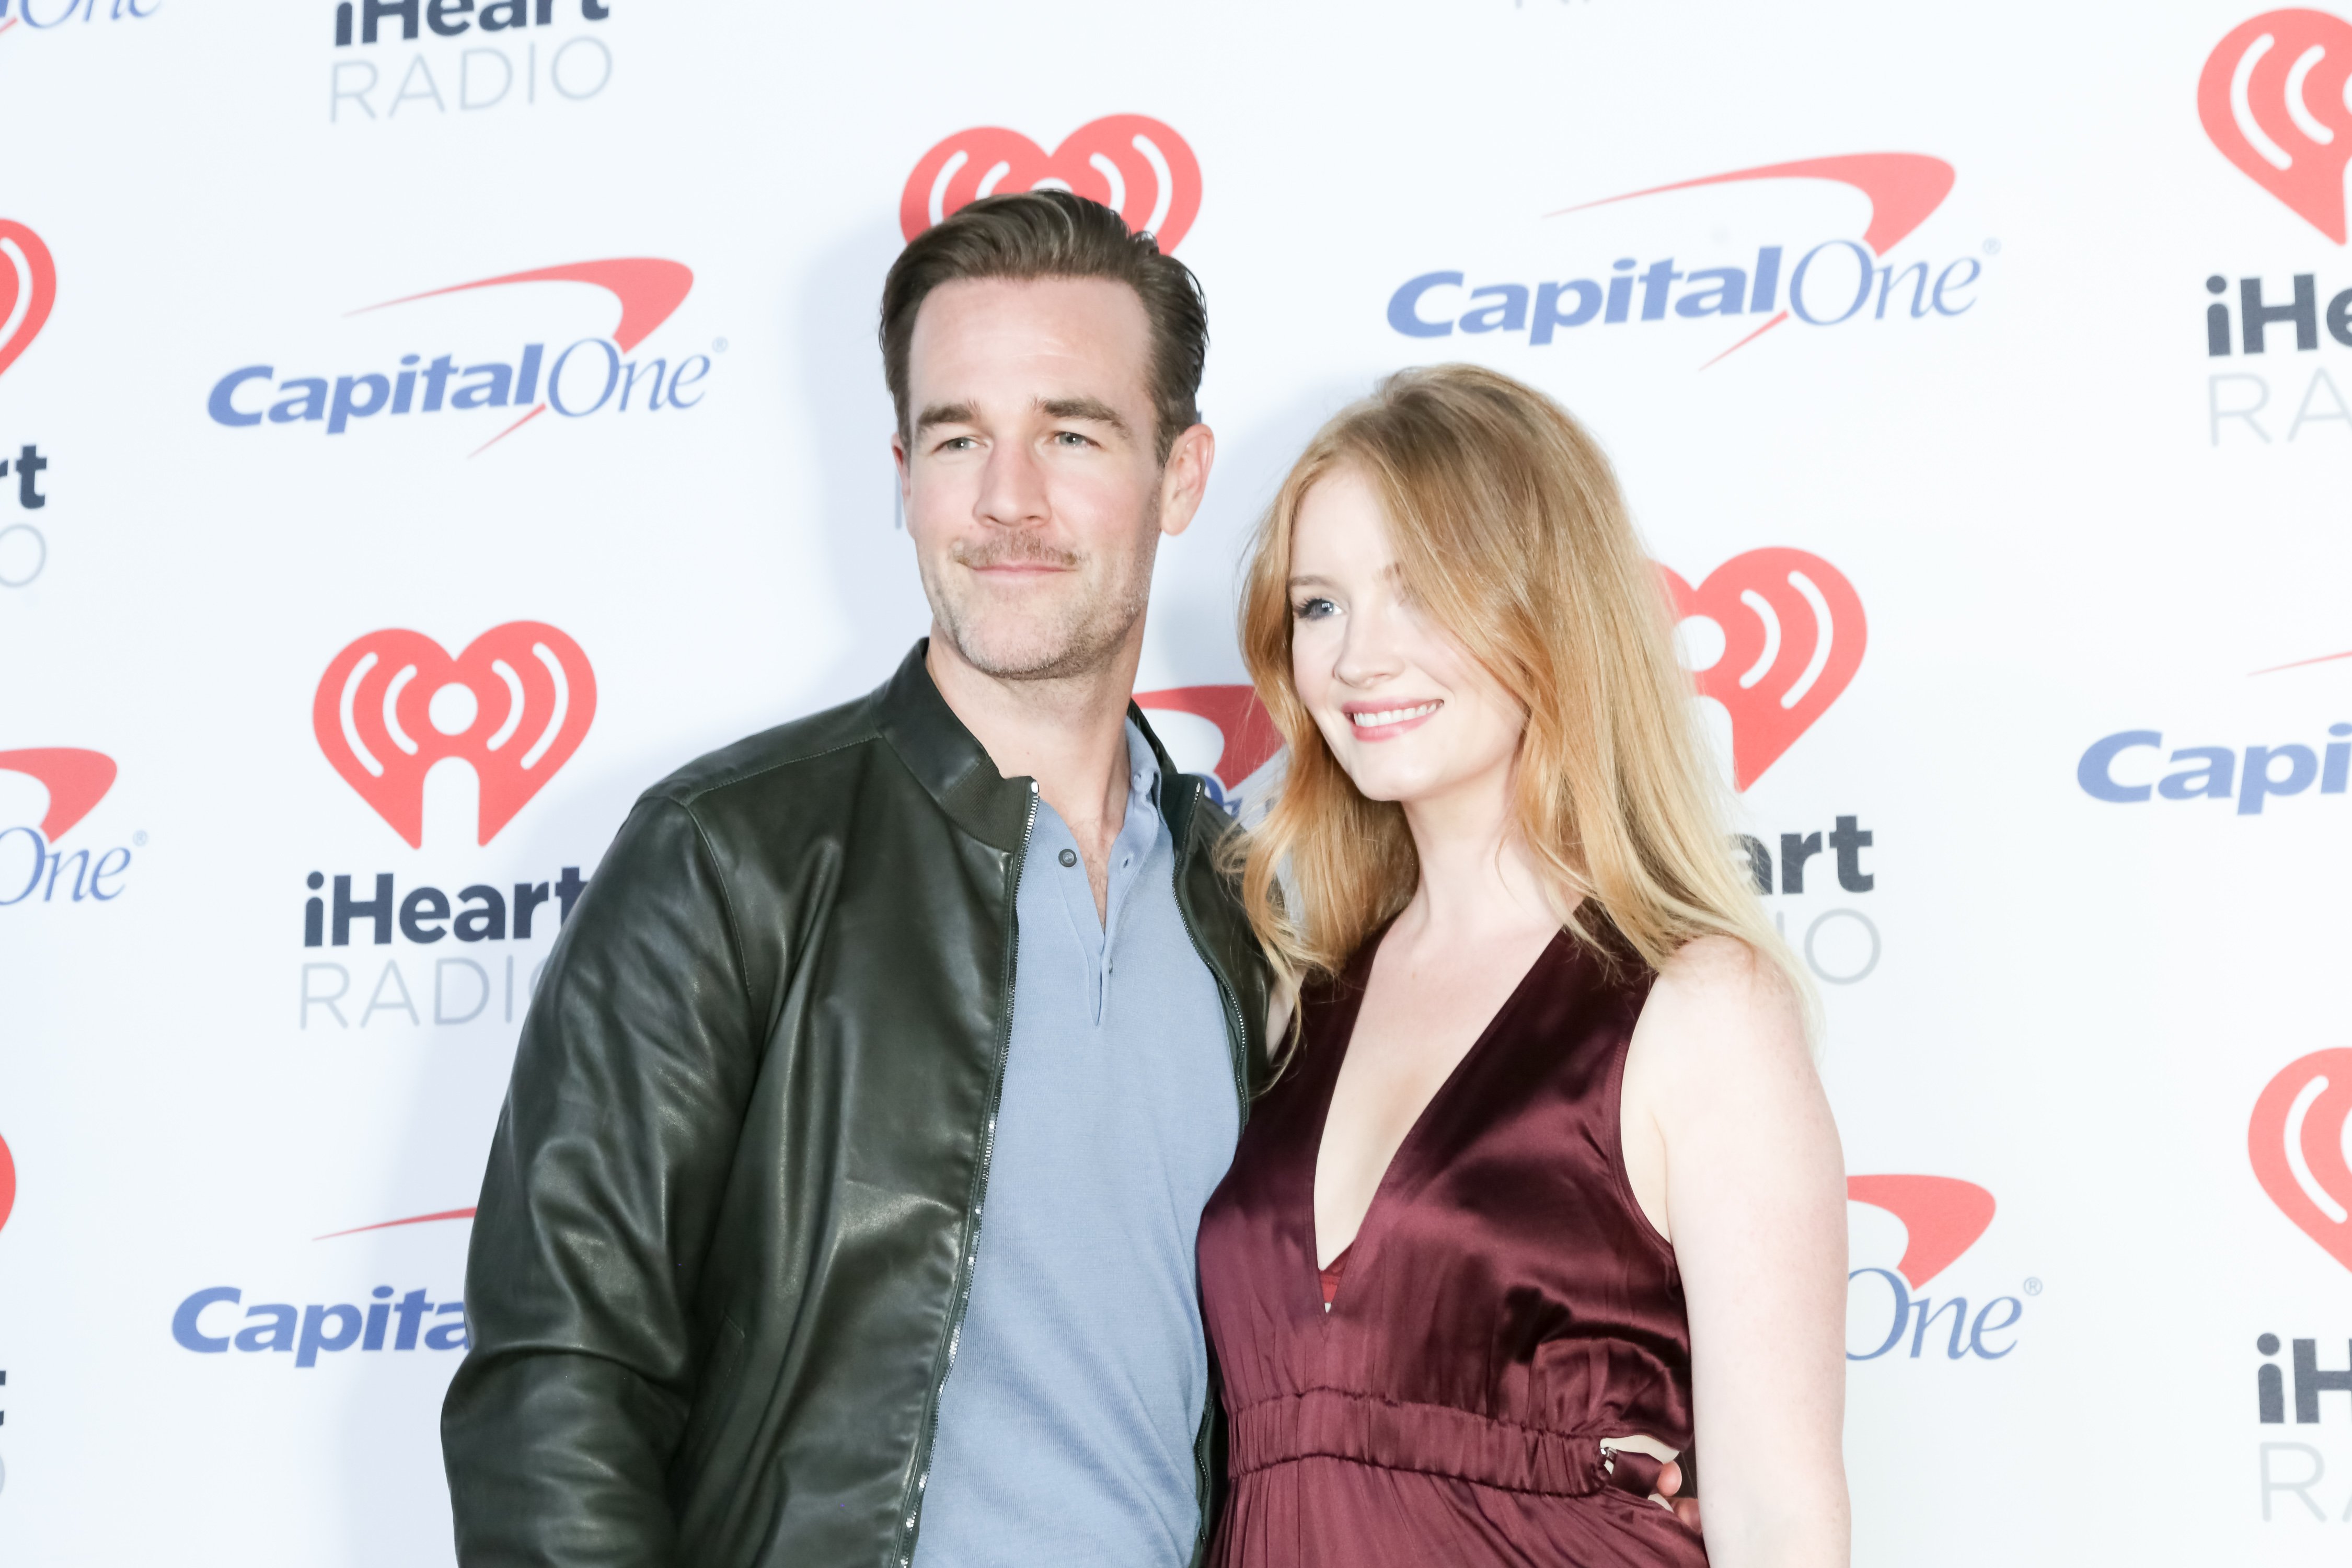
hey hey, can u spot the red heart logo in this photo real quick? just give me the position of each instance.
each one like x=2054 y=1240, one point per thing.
x=515 y=705
x=1942 y=1217
x=2273 y=98
x=28 y=287
x=1791 y=633
x=1247 y=729
x=2300 y=1142
x=7 y=1182
x=1128 y=162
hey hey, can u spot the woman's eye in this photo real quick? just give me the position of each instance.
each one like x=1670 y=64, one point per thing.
x=1314 y=609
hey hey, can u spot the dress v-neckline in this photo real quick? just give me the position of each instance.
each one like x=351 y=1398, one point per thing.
x=1353 y=1250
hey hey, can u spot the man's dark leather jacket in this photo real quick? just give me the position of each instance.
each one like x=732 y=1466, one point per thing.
x=725 y=1238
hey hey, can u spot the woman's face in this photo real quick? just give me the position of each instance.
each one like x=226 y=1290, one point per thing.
x=1406 y=710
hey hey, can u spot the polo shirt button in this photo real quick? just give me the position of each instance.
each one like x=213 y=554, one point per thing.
x=1069 y=857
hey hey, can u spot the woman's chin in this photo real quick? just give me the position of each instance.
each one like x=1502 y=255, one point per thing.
x=1396 y=786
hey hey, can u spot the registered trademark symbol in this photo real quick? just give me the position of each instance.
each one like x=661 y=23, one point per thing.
x=140 y=837
x=1992 y=247
x=2033 y=1286
x=718 y=345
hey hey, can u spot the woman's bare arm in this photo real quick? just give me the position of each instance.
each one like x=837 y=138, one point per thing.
x=1734 y=1158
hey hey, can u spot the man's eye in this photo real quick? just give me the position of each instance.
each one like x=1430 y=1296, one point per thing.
x=1314 y=609
x=958 y=443
x=1071 y=438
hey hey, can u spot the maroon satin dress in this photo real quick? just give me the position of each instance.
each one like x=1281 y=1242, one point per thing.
x=1504 y=1307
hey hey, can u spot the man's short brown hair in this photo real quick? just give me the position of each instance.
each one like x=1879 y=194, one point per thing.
x=1054 y=234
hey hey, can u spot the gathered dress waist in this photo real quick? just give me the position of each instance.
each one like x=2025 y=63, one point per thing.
x=1434 y=1439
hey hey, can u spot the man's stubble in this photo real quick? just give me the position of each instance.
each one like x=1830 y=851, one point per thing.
x=1082 y=633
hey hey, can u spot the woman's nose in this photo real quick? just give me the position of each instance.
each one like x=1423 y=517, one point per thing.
x=1366 y=651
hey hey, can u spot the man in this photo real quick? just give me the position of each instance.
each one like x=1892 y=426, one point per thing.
x=958 y=953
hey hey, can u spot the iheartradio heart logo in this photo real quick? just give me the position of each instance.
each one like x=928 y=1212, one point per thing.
x=2301 y=1144
x=1129 y=163
x=7 y=1183
x=1774 y=636
x=28 y=287
x=1246 y=728
x=76 y=780
x=515 y=705
x=2272 y=97
x=1942 y=1217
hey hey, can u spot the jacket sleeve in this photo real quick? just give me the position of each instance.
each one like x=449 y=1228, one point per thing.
x=605 y=1176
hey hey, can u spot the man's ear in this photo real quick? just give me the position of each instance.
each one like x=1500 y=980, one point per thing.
x=899 y=461
x=1184 y=478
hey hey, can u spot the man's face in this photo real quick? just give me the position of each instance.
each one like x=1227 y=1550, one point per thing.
x=1034 y=490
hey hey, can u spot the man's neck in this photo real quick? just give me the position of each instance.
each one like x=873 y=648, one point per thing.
x=1069 y=734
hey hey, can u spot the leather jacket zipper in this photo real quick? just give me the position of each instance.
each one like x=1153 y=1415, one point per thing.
x=910 y=1505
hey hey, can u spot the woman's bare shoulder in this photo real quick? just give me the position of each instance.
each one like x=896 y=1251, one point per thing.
x=1720 y=1014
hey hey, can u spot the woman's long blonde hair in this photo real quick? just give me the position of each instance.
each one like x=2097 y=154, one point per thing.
x=1509 y=530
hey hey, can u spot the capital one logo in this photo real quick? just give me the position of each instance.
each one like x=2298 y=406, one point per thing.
x=75 y=780
x=2300 y=1142
x=513 y=705
x=28 y=287
x=60 y=12
x=1129 y=163
x=2274 y=98
x=1942 y=1217
x=1825 y=284
x=1775 y=635
x=584 y=377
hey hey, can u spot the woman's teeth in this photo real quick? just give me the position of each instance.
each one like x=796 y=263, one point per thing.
x=1391 y=716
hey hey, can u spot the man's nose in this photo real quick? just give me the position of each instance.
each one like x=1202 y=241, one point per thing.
x=1012 y=488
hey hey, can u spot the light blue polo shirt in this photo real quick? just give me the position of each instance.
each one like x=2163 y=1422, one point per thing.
x=1080 y=1374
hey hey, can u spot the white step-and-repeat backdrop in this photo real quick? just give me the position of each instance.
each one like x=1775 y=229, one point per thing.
x=427 y=422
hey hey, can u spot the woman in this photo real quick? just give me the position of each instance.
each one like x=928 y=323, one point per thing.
x=1546 y=1187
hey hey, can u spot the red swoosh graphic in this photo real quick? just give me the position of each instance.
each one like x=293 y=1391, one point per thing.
x=390 y=1223
x=648 y=288
x=1903 y=188
x=2298 y=664
x=1942 y=1217
x=1749 y=338
x=76 y=780
x=537 y=409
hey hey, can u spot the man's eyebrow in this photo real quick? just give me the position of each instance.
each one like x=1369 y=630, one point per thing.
x=946 y=413
x=1092 y=410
